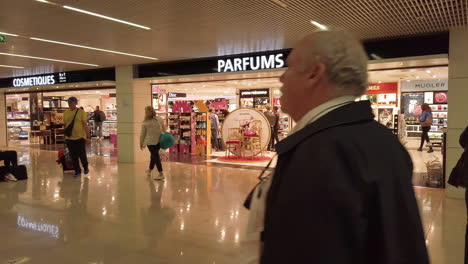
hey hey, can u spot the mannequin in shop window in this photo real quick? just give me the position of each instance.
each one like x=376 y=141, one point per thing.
x=426 y=123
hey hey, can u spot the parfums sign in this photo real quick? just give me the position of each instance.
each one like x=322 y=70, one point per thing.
x=252 y=63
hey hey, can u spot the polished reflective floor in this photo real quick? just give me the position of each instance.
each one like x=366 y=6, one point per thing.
x=118 y=215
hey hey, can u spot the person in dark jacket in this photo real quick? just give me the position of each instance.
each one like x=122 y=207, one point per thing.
x=459 y=178
x=341 y=191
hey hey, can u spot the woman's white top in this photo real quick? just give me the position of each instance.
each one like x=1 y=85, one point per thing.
x=151 y=131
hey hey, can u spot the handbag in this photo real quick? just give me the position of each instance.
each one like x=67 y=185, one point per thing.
x=166 y=140
x=459 y=175
x=427 y=122
x=261 y=182
x=69 y=129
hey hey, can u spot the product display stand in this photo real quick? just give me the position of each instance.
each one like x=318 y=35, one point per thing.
x=203 y=134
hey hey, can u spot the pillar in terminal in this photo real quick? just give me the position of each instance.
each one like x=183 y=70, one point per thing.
x=132 y=97
x=458 y=98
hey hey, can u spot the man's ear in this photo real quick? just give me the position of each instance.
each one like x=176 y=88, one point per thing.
x=315 y=72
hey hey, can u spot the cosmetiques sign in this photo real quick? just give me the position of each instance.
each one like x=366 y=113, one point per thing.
x=252 y=63
x=40 y=80
x=424 y=86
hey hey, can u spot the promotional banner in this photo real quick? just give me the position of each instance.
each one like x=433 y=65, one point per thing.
x=412 y=103
x=382 y=88
x=250 y=128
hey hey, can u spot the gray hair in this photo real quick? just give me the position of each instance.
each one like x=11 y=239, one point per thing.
x=344 y=58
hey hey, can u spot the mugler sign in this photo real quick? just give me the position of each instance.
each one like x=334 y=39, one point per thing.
x=424 y=86
x=252 y=63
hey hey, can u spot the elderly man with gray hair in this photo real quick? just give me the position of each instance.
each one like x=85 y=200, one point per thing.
x=341 y=191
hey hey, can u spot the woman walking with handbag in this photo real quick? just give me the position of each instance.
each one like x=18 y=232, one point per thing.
x=426 y=123
x=151 y=130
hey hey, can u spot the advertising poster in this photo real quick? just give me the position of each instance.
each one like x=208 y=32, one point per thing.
x=429 y=97
x=412 y=104
x=243 y=125
x=386 y=117
x=440 y=98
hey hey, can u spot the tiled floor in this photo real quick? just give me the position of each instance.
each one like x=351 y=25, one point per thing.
x=117 y=215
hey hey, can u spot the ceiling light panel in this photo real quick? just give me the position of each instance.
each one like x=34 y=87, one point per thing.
x=8 y=34
x=92 y=48
x=105 y=17
x=47 y=59
x=11 y=66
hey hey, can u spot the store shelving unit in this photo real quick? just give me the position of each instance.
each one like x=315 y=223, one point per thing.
x=203 y=134
x=174 y=129
x=187 y=133
x=284 y=125
x=109 y=127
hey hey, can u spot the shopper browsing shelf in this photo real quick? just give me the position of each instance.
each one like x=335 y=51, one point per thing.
x=276 y=125
x=151 y=130
x=76 y=134
x=426 y=123
x=341 y=191
x=271 y=117
x=214 y=129
x=98 y=117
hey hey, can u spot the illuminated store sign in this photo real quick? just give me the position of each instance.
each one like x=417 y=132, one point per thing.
x=58 y=78
x=34 y=81
x=262 y=62
x=40 y=80
x=431 y=85
x=382 y=88
x=255 y=93
x=177 y=95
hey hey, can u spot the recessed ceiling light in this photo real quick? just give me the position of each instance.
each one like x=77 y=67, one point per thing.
x=417 y=77
x=11 y=66
x=434 y=76
x=407 y=80
x=279 y=3
x=105 y=17
x=47 y=59
x=8 y=34
x=92 y=48
x=317 y=24
x=428 y=71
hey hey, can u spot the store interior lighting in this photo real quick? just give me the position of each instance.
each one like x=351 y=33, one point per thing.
x=47 y=59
